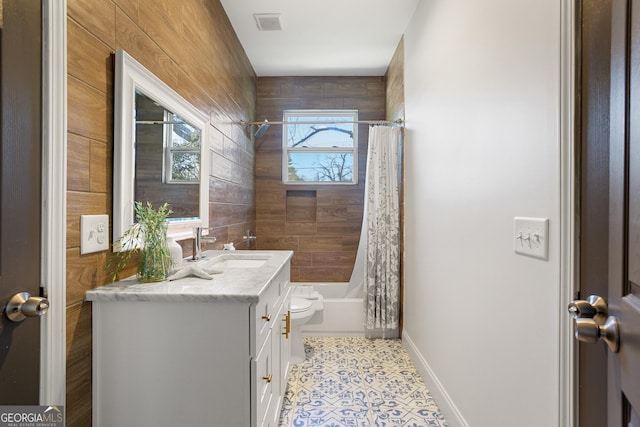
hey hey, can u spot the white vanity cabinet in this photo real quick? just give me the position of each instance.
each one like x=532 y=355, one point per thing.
x=193 y=352
x=272 y=351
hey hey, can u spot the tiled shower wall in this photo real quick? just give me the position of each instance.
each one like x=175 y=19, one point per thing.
x=321 y=223
x=191 y=46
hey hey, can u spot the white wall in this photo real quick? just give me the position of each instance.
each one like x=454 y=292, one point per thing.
x=482 y=82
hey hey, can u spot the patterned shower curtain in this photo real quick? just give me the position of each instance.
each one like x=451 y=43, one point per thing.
x=382 y=225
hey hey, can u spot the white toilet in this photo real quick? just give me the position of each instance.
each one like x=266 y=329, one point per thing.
x=304 y=310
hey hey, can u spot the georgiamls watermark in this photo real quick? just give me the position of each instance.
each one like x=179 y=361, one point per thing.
x=31 y=416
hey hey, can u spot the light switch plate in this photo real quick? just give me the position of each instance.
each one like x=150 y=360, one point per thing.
x=531 y=237
x=94 y=233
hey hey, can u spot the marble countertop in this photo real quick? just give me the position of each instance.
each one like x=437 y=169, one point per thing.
x=239 y=282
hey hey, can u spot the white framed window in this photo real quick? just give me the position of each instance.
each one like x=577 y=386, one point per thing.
x=320 y=147
x=181 y=151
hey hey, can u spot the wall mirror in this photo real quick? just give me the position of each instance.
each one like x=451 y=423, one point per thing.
x=160 y=146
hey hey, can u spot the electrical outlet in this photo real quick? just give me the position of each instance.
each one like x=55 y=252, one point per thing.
x=531 y=237
x=94 y=233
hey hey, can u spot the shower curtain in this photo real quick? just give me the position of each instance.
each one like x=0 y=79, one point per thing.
x=377 y=266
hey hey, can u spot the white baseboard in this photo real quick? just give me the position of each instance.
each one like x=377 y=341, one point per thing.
x=451 y=413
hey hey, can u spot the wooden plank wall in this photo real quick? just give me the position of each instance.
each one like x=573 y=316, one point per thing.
x=395 y=84
x=321 y=223
x=191 y=46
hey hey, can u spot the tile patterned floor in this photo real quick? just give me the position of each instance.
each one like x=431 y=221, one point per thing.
x=357 y=382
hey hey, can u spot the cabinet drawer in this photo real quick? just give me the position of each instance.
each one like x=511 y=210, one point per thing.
x=265 y=315
x=263 y=380
x=270 y=302
x=282 y=282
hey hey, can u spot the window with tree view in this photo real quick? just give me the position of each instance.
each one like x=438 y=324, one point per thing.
x=320 y=146
x=182 y=151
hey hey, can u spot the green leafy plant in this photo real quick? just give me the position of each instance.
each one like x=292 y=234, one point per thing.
x=147 y=236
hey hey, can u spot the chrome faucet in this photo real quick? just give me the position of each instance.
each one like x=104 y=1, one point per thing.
x=197 y=241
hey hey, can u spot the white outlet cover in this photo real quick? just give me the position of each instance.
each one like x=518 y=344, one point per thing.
x=531 y=237
x=94 y=233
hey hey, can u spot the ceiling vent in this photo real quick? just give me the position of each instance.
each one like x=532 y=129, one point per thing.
x=268 y=21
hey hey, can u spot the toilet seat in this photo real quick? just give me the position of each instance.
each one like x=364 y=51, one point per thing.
x=299 y=305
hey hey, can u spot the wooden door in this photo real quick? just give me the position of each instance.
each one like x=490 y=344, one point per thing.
x=624 y=214
x=593 y=47
x=609 y=72
x=20 y=222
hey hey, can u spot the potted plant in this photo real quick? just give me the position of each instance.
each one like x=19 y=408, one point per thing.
x=147 y=236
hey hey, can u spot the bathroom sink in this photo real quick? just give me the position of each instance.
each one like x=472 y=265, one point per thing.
x=241 y=263
x=238 y=261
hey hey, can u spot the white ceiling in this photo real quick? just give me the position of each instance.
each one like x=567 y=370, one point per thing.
x=321 y=37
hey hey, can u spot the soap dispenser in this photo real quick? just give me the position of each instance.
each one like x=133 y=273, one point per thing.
x=175 y=251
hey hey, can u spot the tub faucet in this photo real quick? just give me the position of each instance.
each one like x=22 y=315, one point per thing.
x=199 y=236
x=249 y=238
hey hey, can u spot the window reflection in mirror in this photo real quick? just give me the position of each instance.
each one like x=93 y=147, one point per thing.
x=159 y=169
x=167 y=164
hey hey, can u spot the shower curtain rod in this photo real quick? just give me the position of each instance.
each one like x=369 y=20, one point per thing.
x=398 y=122
x=158 y=122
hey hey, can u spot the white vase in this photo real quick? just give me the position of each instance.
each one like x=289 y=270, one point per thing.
x=175 y=251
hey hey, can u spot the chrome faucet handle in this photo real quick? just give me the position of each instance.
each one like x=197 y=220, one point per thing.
x=249 y=238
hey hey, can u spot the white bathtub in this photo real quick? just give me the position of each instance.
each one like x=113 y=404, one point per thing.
x=342 y=317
